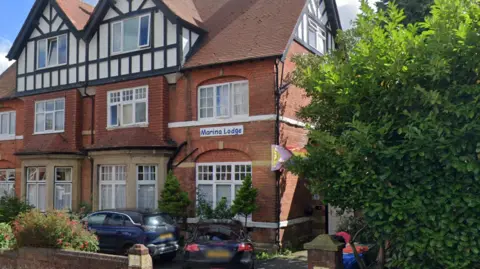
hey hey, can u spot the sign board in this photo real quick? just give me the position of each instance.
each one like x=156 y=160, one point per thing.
x=221 y=131
x=279 y=156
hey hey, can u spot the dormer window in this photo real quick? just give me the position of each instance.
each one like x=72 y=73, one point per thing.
x=52 y=51
x=131 y=34
x=317 y=37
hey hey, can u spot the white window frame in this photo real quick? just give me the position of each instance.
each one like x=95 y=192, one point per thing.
x=45 y=112
x=231 y=101
x=8 y=183
x=10 y=135
x=143 y=182
x=37 y=182
x=321 y=35
x=139 y=47
x=120 y=104
x=113 y=183
x=214 y=182
x=63 y=183
x=47 y=52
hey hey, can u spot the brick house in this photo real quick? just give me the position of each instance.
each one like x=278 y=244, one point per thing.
x=109 y=98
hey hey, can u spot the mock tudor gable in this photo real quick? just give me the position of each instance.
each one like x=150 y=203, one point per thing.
x=67 y=44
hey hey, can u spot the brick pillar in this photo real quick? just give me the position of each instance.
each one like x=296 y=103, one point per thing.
x=139 y=258
x=324 y=252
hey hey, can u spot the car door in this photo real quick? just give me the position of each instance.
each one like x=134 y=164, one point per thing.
x=115 y=231
x=95 y=224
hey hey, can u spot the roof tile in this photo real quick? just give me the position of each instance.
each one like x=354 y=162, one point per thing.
x=8 y=82
x=77 y=11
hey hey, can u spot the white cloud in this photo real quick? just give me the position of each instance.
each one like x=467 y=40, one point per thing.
x=348 y=10
x=5 y=46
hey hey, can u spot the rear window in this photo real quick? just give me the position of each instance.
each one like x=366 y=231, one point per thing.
x=158 y=220
x=216 y=233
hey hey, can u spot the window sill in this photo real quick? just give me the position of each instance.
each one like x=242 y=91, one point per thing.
x=50 y=67
x=49 y=132
x=7 y=137
x=140 y=125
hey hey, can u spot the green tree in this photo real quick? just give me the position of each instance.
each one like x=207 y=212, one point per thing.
x=222 y=210
x=174 y=201
x=10 y=207
x=395 y=131
x=245 y=200
x=415 y=10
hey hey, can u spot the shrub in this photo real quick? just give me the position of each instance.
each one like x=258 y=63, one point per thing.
x=53 y=229
x=352 y=225
x=7 y=239
x=11 y=207
x=222 y=210
x=245 y=202
x=206 y=211
x=174 y=200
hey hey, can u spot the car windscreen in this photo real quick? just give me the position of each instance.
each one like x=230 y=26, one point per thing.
x=216 y=233
x=158 y=220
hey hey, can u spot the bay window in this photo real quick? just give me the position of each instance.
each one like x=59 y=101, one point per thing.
x=7 y=124
x=7 y=182
x=221 y=180
x=52 y=51
x=50 y=116
x=147 y=187
x=223 y=100
x=131 y=34
x=63 y=188
x=37 y=187
x=127 y=107
x=113 y=186
x=317 y=37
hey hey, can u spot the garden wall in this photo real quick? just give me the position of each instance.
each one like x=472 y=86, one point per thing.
x=38 y=258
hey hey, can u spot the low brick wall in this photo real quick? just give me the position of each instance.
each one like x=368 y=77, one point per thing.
x=38 y=258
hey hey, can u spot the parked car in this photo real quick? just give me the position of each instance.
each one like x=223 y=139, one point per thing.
x=119 y=230
x=220 y=244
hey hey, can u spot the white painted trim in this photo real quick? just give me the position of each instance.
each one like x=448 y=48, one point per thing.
x=221 y=121
x=7 y=137
x=268 y=117
x=266 y=225
x=19 y=137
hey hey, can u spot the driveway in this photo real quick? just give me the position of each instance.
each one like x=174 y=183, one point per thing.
x=295 y=261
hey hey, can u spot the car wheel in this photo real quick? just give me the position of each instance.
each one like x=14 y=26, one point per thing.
x=169 y=256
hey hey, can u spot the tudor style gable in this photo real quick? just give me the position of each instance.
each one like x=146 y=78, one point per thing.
x=317 y=27
x=131 y=39
x=47 y=50
x=66 y=44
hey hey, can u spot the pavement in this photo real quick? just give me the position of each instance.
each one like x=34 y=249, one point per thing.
x=297 y=260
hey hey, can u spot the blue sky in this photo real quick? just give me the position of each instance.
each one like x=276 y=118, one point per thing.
x=14 y=12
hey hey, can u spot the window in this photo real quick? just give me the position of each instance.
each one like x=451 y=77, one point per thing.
x=131 y=34
x=63 y=188
x=218 y=180
x=50 y=116
x=112 y=186
x=116 y=220
x=223 y=100
x=7 y=182
x=127 y=107
x=147 y=187
x=97 y=219
x=7 y=124
x=52 y=51
x=316 y=36
x=37 y=187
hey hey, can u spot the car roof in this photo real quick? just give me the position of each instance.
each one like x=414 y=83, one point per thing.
x=135 y=214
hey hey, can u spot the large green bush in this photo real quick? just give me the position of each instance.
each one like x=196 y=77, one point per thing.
x=7 y=239
x=396 y=131
x=11 y=207
x=54 y=229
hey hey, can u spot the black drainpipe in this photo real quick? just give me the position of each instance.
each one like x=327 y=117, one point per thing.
x=277 y=142
x=92 y=113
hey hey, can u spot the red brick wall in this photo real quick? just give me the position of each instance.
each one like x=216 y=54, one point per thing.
x=67 y=141
x=157 y=108
x=294 y=98
x=260 y=75
x=7 y=148
x=33 y=258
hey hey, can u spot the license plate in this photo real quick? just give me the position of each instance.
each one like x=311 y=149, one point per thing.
x=166 y=236
x=218 y=254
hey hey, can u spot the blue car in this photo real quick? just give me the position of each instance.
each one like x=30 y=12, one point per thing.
x=119 y=230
